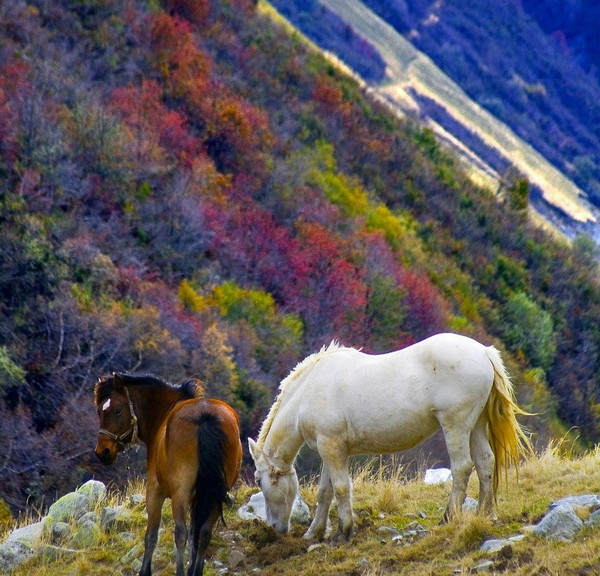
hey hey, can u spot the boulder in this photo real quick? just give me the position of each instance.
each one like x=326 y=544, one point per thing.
x=256 y=509
x=70 y=506
x=116 y=518
x=88 y=534
x=560 y=523
x=437 y=476
x=13 y=554
x=94 y=490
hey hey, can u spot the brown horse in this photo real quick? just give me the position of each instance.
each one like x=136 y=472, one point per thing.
x=194 y=454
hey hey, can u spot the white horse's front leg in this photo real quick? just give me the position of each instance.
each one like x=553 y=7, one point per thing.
x=335 y=458
x=324 y=497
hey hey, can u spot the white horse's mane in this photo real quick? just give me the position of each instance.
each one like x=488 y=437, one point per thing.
x=307 y=364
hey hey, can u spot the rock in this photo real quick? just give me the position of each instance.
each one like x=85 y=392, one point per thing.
x=29 y=535
x=582 y=501
x=388 y=531
x=594 y=519
x=236 y=559
x=484 y=566
x=437 y=476
x=470 y=505
x=137 y=500
x=495 y=545
x=117 y=518
x=255 y=509
x=134 y=553
x=54 y=553
x=88 y=534
x=71 y=506
x=60 y=532
x=93 y=516
x=560 y=523
x=13 y=554
x=94 y=490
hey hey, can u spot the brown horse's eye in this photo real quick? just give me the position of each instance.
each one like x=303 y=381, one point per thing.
x=118 y=411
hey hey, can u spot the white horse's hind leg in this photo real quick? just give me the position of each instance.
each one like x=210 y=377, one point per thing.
x=484 y=464
x=324 y=497
x=461 y=465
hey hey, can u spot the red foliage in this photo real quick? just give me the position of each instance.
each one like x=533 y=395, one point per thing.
x=183 y=66
x=143 y=111
x=427 y=310
x=334 y=293
x=196 y=11
x=253 y=249
x=13 y=83
x=327 y=94
x=237 y=134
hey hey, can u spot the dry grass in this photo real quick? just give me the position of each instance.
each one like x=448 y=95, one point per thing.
x=383 y=497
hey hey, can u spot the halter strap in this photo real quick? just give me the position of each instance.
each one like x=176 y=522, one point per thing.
x=120 y=438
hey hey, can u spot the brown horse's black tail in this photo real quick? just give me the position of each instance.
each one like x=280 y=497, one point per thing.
x=211 y=490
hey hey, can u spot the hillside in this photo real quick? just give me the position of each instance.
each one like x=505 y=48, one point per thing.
x=398 y=532
x=488 y=81
x=193 y=189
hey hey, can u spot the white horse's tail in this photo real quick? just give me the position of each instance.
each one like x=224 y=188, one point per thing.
x=507 y=438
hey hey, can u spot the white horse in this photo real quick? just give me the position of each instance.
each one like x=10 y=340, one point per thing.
x=342 y=402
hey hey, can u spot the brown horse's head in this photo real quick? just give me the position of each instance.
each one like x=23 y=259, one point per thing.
x=118 y=422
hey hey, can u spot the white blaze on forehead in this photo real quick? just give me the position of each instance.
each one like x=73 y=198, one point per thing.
x=106 y=405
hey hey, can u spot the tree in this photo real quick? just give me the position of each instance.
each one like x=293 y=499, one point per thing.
x=529 y=330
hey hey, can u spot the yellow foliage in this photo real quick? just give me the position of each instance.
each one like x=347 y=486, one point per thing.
x=191 y=299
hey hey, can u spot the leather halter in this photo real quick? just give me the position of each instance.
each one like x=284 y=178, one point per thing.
x=120 y=438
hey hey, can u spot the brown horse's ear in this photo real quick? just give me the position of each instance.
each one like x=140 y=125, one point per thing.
x=118 y=381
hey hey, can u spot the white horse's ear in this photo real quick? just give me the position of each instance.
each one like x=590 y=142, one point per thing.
x=255 y=451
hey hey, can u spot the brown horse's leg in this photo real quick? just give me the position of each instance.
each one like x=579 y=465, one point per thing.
x=154 y=503
x=204 y=536
x=181 y=531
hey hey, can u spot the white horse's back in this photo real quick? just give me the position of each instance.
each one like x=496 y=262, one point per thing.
x=390 y=402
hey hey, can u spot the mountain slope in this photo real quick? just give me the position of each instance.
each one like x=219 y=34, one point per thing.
x=188 y=188
x=415 y=84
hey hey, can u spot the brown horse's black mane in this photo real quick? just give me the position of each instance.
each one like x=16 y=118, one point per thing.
x=190 y=388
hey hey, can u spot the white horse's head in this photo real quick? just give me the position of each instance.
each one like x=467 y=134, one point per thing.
x=279 y=487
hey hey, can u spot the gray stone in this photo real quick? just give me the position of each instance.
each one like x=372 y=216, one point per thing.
x=54 y=553
x=470 y=505
x=582 y=501
x=594 y=519
x=138 y=500
x=388 y=531
x=94 y=490
x=13 y=554
x=29 y=535
x=236 y=559
x=88 y=534
x=93 y=516
x=60 y=532
x=134 y=553
x=437 y=476
x=560 y=523
x=256 y=509
x=494 y=545
x=71 y=506
x=118 y=518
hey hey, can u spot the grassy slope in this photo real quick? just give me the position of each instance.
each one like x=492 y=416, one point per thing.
x=445 y=549
x=410 y=69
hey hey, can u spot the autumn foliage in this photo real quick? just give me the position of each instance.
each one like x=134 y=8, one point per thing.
x=191 y=193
